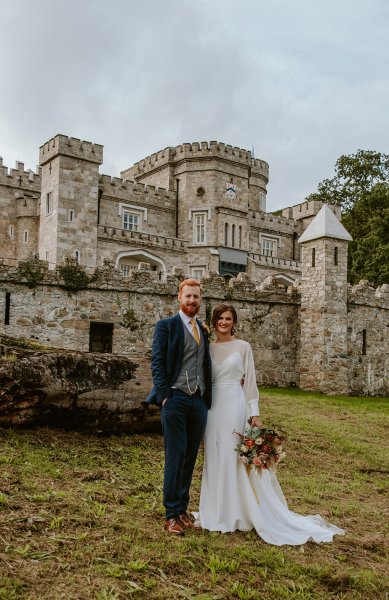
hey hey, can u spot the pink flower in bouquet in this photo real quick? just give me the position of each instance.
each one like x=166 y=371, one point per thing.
x=260 y=447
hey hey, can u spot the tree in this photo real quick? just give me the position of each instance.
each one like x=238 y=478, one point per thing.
x=368 y=223
x=361 y=188
x=355 y=175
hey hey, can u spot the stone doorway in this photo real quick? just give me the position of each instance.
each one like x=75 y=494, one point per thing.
x=100 y=337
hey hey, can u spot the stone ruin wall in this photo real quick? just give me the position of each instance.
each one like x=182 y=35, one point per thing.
x=49 y=314
x=269 y=318
x=368 y=353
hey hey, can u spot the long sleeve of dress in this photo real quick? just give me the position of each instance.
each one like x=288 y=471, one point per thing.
x=250 y=387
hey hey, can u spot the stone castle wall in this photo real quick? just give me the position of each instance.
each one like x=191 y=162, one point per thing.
x=368 y=339
x=270 y=319
x=19 y=198
x=69 y=209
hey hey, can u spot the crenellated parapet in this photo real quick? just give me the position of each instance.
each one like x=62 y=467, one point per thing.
x=364 y=293
x=200 y=150
x=307 y=209
x=123 y=188
x=261 y=260
x=62 y=145
x=273 y=221
x=142 y=239
x=143 y=280
x=18 y=178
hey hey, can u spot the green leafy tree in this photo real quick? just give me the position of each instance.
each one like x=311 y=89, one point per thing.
x=355 y=175
x=361 y=188
x=368 y=223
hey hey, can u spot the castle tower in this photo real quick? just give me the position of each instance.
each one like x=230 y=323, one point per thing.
x=216 y=186
x=69 y=200
x=323 y=351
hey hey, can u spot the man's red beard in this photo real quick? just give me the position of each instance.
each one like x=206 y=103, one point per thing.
x=190 y=310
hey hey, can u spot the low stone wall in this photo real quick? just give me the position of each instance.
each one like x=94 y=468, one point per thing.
x=269 y=318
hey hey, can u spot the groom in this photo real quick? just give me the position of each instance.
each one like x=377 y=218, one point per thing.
x=181 y=369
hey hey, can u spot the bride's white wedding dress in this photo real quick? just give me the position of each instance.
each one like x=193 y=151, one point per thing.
x=231 y=498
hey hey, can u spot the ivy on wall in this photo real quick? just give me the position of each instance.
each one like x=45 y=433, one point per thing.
x=72 y=276
x=32 y=270
x=129 y=319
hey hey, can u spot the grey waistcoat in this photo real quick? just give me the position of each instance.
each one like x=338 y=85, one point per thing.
x=192 y=364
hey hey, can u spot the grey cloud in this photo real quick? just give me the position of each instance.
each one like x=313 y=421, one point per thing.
x=303 y=82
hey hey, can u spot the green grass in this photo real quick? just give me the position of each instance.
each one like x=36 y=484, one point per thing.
x=81 y=515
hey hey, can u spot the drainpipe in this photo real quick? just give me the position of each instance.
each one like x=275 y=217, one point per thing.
x=294 y=246
x=98 y=206
x=177 y=191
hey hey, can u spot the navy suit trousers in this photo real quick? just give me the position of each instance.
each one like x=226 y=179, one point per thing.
x=183 y=420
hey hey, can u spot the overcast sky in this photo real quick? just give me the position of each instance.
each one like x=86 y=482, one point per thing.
x=301 y=81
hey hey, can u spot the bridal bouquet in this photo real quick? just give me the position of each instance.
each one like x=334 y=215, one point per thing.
x=261 y=448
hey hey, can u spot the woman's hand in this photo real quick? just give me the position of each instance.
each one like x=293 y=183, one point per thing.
x=256 y=422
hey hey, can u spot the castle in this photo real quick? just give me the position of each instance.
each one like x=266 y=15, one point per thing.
x=199 y=206
x=199 y=210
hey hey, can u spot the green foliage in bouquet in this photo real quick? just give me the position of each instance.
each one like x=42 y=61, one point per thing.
x=261 y=447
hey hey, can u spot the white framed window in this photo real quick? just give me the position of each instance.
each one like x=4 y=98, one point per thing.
x=269 y=246
x=125 y=269
x=49 y=203
x=70 y=215
x=131 y=221
x=25 y=236
x=11 y=230
x=77 y=256
x=199 y=227
x=198 y=272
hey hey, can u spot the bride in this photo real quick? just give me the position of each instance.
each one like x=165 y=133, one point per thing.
x=231 y=497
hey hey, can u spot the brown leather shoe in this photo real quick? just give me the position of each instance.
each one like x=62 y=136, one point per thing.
x=188 y=522
x=174 y=526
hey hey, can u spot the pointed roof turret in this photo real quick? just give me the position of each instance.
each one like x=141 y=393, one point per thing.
x=325 y=224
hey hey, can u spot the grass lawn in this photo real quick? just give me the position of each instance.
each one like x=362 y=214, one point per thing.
x=81 y=515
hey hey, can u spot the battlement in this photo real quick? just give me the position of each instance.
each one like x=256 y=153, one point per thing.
x=199 y=150
x=140 y=238
x=307 y=209
x=263 y=219
x=69 y=146
x=133 y=186
x=364 y=293
x=19 y=178
x=283 y=264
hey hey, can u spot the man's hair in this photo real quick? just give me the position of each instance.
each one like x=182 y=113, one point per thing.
x=190 y=282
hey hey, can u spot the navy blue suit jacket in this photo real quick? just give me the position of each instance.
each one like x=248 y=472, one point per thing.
x=166 y=359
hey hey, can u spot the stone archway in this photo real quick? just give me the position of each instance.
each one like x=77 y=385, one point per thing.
x=284 y=279
x=128 y=260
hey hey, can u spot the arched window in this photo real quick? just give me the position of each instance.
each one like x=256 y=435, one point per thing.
x=77 y=256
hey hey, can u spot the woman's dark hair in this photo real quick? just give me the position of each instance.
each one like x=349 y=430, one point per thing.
x=219 y=310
